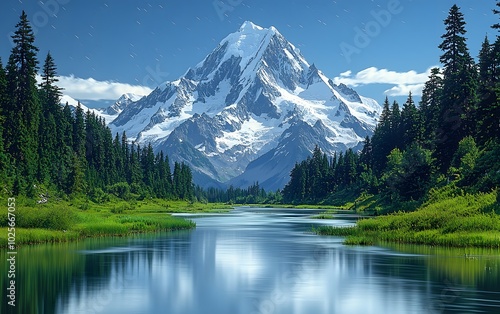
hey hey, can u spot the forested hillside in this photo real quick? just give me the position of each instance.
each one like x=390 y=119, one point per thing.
x=45 y=147
x=452 y=136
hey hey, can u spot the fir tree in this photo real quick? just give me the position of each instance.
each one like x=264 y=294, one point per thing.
x=23 y=112
x=366 y=156
x=50 y=92
x=459 y=89
x=382 y=144
x=78 y=132
x=487 y=91
x=396 y=132
x=49 y=137
x=430 y=107
x=410 y=123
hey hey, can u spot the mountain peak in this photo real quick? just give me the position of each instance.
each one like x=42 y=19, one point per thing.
x=248 y=26
x=253 y=99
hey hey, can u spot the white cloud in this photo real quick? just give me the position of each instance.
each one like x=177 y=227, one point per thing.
x=346 y=74
x=403 y=82
x=404 y=90
x=91 y=89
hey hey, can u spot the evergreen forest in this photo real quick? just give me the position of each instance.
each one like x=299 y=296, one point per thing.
x=451 y=137
x=49 y=148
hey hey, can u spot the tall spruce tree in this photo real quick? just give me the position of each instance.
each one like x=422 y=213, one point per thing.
x=381 y=141
x=429 y=107
x=78 y=132
x=49 y=136
x=23 y=111
x=410 y=123
x=458 y=102
x=396 y=132
x=488 y=105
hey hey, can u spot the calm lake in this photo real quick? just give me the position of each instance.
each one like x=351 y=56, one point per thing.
x=251 y=260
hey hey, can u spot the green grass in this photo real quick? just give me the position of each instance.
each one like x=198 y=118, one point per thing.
x=449 y=218
x=323 y=216
x=61 y=221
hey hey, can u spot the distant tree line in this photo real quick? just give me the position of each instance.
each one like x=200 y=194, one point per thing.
x=254 y=194
x=69 y=150
x=453 y=135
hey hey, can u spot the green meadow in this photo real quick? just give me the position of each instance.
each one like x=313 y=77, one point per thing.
x=61 y=221
x=450 y=217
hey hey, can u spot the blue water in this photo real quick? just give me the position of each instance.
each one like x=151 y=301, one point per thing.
x=255 y=260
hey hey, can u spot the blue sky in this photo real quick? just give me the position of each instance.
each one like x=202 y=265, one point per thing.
x=105 y=48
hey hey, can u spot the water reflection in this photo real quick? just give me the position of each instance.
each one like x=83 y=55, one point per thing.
x=252 y=261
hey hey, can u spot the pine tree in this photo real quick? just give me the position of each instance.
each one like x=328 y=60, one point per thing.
x=459 y=89
x=410 y=123
x=75 y=181
x=134 y=174
x=295 y=190
x=65 y=126
x=487 y=120
x=177 y=180
x=187 y=177
x=110 y=172
x=78 y=132
x=167 y=176
x=366 y=155
x=429 y=107
x=119 y=166
x=50 y=92
x=396 y=132
x=49 y=137
x=351 y=162
x=381 y=141
x=23 y=112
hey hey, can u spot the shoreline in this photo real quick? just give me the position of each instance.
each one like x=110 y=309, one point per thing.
x=464 y=220
x=68 y=221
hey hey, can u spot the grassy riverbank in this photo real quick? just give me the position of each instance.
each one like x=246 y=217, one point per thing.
x=450 y=217
x=61 y=221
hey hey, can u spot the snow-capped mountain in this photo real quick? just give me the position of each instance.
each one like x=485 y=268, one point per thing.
x=123 y=102
x=73 y=103
x=249 y=111
x=110 y=113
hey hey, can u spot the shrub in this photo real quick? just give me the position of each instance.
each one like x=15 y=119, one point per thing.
x=56 y=218
x=120 y=189
x=97 y=195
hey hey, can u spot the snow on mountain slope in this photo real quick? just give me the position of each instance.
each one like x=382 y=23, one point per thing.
x=109 y=114
x=251 y=100
x=123 y=102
